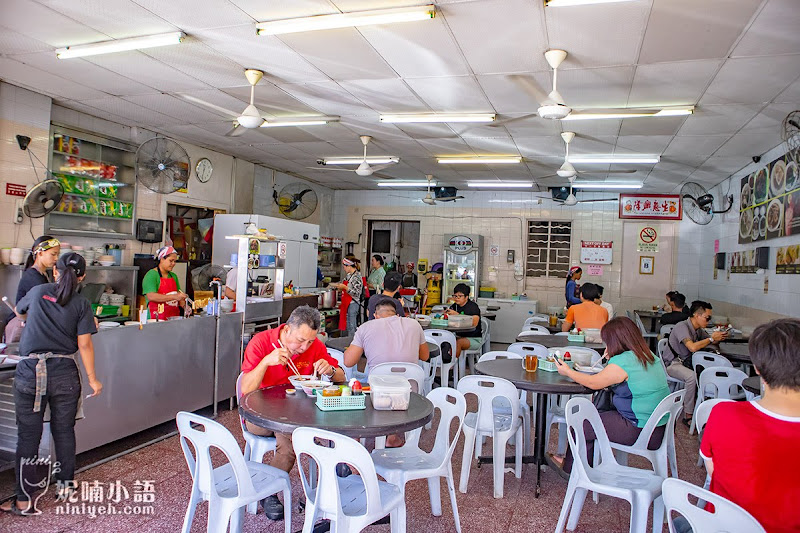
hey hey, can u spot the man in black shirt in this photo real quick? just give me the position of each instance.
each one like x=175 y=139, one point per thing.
x=677 y=302
x=462 y=305
x=391 y=283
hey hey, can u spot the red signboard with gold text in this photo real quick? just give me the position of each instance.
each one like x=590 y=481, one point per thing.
x=650 y=206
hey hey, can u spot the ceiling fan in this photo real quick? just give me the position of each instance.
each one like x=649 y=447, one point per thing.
x=364 y=168
x=571 y=199
x=442 y=194
x=567 y=170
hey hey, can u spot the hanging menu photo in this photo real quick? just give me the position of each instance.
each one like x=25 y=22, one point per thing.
x=770 y=201
x=788 y=260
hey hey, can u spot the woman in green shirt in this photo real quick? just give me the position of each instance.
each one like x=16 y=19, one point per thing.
x=376 y=275
x=637 y=380
x=161 y=286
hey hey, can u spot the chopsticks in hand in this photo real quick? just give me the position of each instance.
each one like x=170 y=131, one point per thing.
x=289 y=361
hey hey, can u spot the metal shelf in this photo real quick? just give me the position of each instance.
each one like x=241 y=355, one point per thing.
x=86 y=215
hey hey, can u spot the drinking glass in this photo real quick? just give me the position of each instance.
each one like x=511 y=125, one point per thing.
x=531 y=363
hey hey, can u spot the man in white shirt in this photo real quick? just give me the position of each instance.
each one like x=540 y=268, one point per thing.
x=607 y=306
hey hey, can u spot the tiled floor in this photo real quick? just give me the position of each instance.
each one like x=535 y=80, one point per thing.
x=518 y=511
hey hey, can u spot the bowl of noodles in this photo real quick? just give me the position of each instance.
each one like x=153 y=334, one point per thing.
x=777 y=181
x=774 y=215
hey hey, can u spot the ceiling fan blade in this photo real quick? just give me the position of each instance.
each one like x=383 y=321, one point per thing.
x=383 y=176
x=630 y=171
x=236 y=131
x=225 y=112
x=498 y=123
x=323 y=167
x=598 y=200
x=530 y=86
x=375 y=168
x=546 y=177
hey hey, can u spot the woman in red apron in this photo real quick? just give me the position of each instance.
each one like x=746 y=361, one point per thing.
x=161 y=287
x=352 y=287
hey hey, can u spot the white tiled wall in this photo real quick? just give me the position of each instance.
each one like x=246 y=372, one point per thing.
x=743 y=295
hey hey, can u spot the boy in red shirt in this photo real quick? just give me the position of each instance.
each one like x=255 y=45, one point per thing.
x=265 y=365
x=750 y=448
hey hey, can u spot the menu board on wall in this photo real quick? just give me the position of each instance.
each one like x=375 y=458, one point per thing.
x=743 y=262
x=788 y=260
x=770 y=201
x=596 y=252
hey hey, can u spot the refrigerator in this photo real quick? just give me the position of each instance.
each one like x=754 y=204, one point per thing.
x=462 y=263
x=301 y=238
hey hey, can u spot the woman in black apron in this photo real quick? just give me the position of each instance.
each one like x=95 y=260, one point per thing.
x=58 y=324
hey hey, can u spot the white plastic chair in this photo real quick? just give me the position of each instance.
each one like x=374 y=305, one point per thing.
x=665 y=330
x=646 y=334
x=351 y=503
x=439 y=337
x=674 y=384
x=535 y=319
x=525 y=409
x=228 y=488
x=529 y=348
x=534 y=329
x=562 y=334
x=471 y=355
x=727 y=516
x=401 y=465
x=719 y=382
x=637 y=486
x=701 y=415
x=439 y=308
x=410 y=371
x=489 y=423
x=255 y=446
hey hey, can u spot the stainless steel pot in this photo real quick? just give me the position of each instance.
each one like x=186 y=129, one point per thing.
x=328 y=299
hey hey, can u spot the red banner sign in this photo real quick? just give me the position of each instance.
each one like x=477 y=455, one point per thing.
x=650 y=206
x=16 y=189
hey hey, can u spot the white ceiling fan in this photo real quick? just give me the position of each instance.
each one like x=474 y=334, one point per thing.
x=364 y=168
x=571 y=199
x=567 y=170
x=431 y=199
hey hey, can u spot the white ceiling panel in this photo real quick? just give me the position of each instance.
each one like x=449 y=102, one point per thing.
x=492 y=146
x=427 y=131
x=590 y=128
x=198 y=15
x=665 y=84
x=647 y=126
x=44 y=82
x=135 y=113
x=769 y=119
x=447 y=147
x=518 y=21
x=342 y=54
x=328 y=98
x=271 y=100
x=79 y=70
x=93 y=111
x=774 y=31
x=598 y=35
x=12 y=42
x=176 y=107
x=699 y=145
x=129 y=20
x=643 y=144
x=386 y=96
x=536 y=147
x=718 y=119
x=791 y=94
x=749 y=143
x=727 y=165
x=371 y=126
x=752 y=80
x=599 y=87
x=680 y=30
x=43 y=24
x=290 y=135
x=284 y=9
x=417 y=50
x=509 y=95
x=479 y=130
x=148 y=71
x=453 y=94
x=194 y=58
x=331 y=132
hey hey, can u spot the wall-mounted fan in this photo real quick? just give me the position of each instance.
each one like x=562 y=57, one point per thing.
x=202 y=276
x=45 y=196
x=296 y=201
x=162 y=165
x=699 y=205
x=440 y=194
x=790 y=132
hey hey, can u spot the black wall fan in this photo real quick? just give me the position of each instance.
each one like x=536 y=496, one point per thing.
x=43 y=197
x=162 y=165
x=698 y=204
x=296 y=201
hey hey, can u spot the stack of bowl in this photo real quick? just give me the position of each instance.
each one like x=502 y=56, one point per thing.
x=106 y=260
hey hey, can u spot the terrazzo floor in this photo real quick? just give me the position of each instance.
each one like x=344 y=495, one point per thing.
x=517 y=511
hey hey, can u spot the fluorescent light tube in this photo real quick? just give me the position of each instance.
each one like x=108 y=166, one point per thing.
x=346 y=20
x=422 y=184
x=566 y=3
x=358 y=160
x=671 y=112
x=315 y=121
x=479 y=160
x=601 y=185
x=609 y=159
x=439 y=117
x=500 y=184
x=120 y=45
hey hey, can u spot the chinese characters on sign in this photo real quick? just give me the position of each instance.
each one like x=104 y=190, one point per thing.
x=647 y=241
x=94 y=498
x=650 y=206
x=594 y=270
x=596 y=252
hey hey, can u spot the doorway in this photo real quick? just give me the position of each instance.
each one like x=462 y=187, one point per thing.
x=191 y=230
x=396 y=241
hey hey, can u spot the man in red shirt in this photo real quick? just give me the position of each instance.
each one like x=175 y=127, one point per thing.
x=750 y=448
x=265 y=365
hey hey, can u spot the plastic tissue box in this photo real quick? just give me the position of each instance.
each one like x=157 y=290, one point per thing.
x=390 y=393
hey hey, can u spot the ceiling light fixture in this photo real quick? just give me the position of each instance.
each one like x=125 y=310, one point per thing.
x=611 y=159
x=420 y=184
x=120 y=45
x=438 y=117
x=671 y=112
x=358 y=160
x=566 y=3
x=602 y=185
x=479 y=160
x=311 y=121
x=346 y=20
x=500 y=184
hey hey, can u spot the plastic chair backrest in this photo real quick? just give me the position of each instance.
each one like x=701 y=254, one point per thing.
x=707 y=359
x=342 y=449
x=562 y=334
x=577 y=411
x=661 y=347
x=239 y=395
x=410 y=371
x=639 y=323
x=723 y=379
x=670 y=406
x=498 y=354
x=535 y=318
x=485 y=325
x=442 y=336
x=488 y=389
x=630 y=315
x=534 y=328
x=338 y=355
x=441 y=398
x=212 y=435
x=527 y=348
x=726 y=516
x=703 y=411
x=666 y=329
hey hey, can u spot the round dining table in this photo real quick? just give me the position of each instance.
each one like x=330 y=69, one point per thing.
x=735 y=352
x=559 y=341
x=273 y=409
x=341 y=344
x=752 y=384
x=540 y=383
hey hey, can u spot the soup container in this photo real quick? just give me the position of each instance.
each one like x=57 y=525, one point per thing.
x=390 y=393
x=16 y=256
x=5 y=256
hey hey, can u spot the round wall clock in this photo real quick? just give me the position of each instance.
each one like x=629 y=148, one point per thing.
x=203 y=170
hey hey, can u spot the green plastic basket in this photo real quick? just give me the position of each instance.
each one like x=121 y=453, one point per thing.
x=549 y=366
x=341 y=403
x=576 y=338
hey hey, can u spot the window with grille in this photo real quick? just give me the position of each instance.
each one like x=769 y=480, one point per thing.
x=548 y=248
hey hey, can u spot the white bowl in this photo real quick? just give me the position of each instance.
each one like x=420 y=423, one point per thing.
x=307 y=384
x=106 y=263
x=226 y=305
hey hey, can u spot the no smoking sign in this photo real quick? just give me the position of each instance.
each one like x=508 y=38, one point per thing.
x=648 y=239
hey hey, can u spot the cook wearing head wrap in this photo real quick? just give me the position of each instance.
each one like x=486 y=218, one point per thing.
x=161 y=286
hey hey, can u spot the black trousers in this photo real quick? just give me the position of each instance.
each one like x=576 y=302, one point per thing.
x=63 y=393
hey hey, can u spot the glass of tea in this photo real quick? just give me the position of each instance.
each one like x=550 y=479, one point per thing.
x=553 y=320
x=531 y=363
